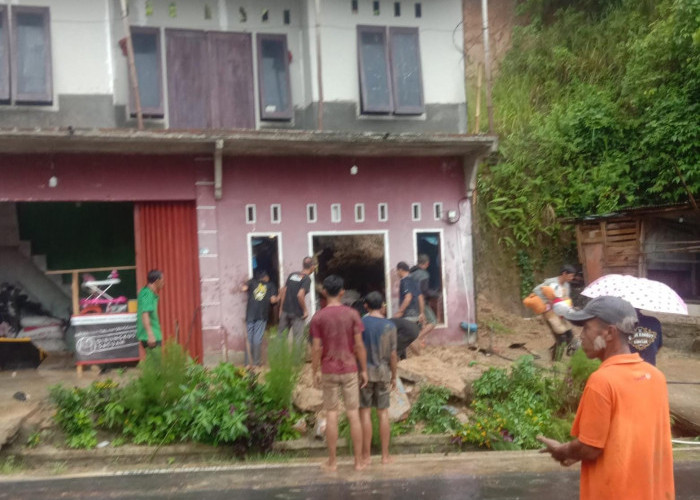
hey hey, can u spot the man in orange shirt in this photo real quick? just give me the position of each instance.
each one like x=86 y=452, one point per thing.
x=622 y=428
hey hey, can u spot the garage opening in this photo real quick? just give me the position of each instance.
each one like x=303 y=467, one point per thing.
x=59 y=259
x=360 y=259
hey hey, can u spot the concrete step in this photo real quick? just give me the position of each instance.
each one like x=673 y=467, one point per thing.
x=40 y=262
x=25 y=248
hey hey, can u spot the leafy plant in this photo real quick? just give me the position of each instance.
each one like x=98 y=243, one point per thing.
x=285 y=362
x=512 y=408
x=430 y=409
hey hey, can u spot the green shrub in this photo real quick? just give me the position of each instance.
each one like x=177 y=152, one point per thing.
x=174 y=399
x=430 y=409
x=511 y=409
x=285 y=366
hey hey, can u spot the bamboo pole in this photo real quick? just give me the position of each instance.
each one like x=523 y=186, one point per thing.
x=133 y=77
x=487 y=60
x=477 y=114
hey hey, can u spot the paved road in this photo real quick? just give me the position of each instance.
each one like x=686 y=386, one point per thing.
x=304 y=483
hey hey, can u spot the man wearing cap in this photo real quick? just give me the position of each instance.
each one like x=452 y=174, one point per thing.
x=622 y=428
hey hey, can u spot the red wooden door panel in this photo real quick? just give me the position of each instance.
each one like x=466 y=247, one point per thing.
x=189 y=88
x=231 y=73
x=166 y=239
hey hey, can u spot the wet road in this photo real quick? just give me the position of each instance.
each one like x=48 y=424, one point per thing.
x=264 y=483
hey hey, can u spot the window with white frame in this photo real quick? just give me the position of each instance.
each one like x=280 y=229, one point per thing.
x=311 y=213
x=359 y=212
x=415 y=212
x=276 y=213
x=383 y=212
x=437 y=210
x=250 y=214
x=335 y=212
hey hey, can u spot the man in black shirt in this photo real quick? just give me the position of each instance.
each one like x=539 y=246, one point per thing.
x=293 y=312
x=261 y=293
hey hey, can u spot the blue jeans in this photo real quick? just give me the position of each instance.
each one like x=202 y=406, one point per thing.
x=256 y=332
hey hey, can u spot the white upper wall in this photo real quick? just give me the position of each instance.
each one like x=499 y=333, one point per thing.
x=440 y=35
x=81 y=60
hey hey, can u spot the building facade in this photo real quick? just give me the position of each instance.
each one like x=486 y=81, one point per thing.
x=274 y=130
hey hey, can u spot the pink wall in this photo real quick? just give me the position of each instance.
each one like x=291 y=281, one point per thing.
x=295 y=182
x=96 y=178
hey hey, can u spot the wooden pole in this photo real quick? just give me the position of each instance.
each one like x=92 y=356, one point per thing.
x=133 y=77
x=487 y=60
x=75 y=292
x=319 y=76
x=477 y=115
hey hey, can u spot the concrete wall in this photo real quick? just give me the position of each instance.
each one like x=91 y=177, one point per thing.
x=90 y=77
x=81 y=68
x=295 y=182
x=96 y=178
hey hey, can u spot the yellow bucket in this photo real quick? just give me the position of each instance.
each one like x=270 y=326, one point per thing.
x=132 y=306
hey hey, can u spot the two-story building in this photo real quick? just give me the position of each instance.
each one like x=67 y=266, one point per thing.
x=273 y=130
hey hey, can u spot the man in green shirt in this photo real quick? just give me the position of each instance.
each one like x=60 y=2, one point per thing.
x=147 y=323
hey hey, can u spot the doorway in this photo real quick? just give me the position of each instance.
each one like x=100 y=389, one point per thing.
x=358 y=258
x=264 y=255
x=429 y=242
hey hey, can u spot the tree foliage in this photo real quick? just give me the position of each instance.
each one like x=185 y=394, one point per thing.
x=597 y=105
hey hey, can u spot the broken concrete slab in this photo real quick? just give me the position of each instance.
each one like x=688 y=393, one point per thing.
x=14 y=414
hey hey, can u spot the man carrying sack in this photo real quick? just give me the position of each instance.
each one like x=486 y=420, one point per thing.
x=546 y=299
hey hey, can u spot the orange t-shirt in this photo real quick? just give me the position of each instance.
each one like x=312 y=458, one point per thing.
x=624 y=411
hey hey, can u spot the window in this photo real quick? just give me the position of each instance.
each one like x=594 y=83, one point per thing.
x=390 y=70
x=250 y=214
x=353 y=6
x=397 y=9
x=383 y=212
x=146 y=43
x=335 y=212
x=273 y=78
x=276 y=213
x=419 y=10
x=25 y=56
x=287 y=16
x=375 y=8
x=437 y=211
x=311 y=213
x=360 y=212
x=415 y=211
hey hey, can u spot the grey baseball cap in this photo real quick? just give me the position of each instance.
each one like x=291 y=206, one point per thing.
x=612 y=310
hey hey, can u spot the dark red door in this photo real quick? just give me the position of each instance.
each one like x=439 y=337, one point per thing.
x=166 y=239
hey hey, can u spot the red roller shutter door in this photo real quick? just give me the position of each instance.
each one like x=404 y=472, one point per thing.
x=166 y=239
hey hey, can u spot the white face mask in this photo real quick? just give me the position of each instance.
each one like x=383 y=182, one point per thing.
x=599 y=343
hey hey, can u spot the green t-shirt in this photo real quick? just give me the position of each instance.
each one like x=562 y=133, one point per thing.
x=148 y=303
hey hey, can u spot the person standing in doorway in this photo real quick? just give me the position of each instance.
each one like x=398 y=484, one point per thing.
x=421 y=275
x=338 y=351
x=380 y=343
x=147 y=322
x=410 y=303
x=293 y=312
x=261 y=293
x=622 y=429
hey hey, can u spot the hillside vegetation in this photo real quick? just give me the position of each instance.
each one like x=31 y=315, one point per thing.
x=597 y=105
